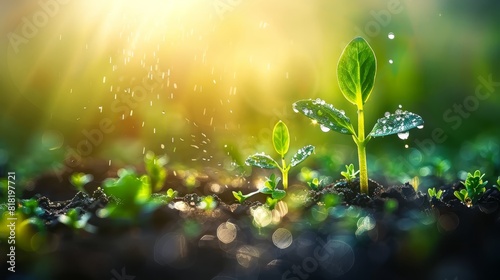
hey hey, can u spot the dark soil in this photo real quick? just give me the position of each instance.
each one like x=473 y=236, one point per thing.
x=393 y=233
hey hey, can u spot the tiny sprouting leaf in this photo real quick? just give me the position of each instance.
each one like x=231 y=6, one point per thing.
x=271 y=202
x=356 y=71
x=240 y=197
x=266 y=190
x=281 y=138
x=301 y=155
x=400 y=121
x=278 y=194
x=325 y=115
x=262 y=161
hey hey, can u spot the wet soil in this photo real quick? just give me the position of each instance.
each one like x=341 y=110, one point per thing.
x=394 y=232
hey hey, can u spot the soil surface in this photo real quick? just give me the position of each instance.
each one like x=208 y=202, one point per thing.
x=394 y=232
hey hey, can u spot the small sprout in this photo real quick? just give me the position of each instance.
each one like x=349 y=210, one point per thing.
x=317 y=184
x=72 y=220
x=29 y=208
x=270 y=189
x=171 y=194
x=78 y=180
x=433 y=193
x=281 y=143
x=155 y=168
x=497 y=186
x=474 y=188
x=349 y=174
x=271 y=202
x=207 y=203
x=356 y=71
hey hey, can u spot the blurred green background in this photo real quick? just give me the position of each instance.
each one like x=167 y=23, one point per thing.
x=205 y=81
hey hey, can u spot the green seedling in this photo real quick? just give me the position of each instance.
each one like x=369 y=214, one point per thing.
x=498 y=184
x=155 y=168
x=171 y=194
x=433 y=193
x=78 y=180
x=356 y=76
x=131 y=193
x=281 y=143
x=207 y=203
x=317 y=184
x=29 y=208
x=349 y=174
x=270 y=189
x=74 y=220
x=474 y=188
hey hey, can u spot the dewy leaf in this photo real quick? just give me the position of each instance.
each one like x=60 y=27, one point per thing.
x=301 y=155
x=398 y=122
x=262 y=161
x=281 y=138
x=356 y=71
x=325 y=114
x=278 y=194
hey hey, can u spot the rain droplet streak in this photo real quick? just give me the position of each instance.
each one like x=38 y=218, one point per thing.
x=404 y=135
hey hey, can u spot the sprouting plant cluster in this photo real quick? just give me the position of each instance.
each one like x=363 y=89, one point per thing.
x=474 y=188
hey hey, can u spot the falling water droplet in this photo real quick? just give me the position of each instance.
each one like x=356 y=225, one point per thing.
x=391 y=61
x=404 y=135
x=324 y=128
x=407 y=146
x=391 y=36
x=420 y=126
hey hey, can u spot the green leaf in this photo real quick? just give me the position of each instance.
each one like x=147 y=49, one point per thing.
x=239 y=196
x=356 y=71
x=266 y=190
x=325 y=115
x=278 y=194
x=281 y=138
x=398 y=122
x=261 y=160
x=301 y=155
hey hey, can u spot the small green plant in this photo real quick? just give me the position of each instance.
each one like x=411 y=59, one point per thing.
x=281 y=143
x=78 y=180
x=433 y=193
x=474 y=188
x=131 y=193
x=317 y=184
x=207 y=203
x=171 y=194
x=270 y=189
x=497 y=186
x=155 y=168
x=356 y=76
x=74 y=220
x=349 y=174
x=29 y=208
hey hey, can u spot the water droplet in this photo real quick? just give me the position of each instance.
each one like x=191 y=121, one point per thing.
x=324 y=128
x=404 y=135
x=420 y=126
x=386 y=114
x=391 y=36
x=295 y=108
x=407 y=146
x=391 y=61
x=320 y=113
x=400 y=106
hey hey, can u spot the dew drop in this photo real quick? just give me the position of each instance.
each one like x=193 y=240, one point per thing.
x=407 y=146
x=420 y=126
x=391 y=61
x=391 y=36
x=404 y=135
x=324 y=128
x=295 y=108
x=320 y=113
x=386 y=114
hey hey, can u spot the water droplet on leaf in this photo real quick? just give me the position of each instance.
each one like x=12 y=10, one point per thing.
x=404 y=135
x=324 y=128
x=391 y=36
